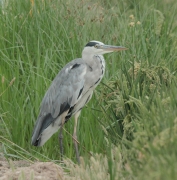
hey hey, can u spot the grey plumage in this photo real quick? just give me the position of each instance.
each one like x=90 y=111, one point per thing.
x=71 y=89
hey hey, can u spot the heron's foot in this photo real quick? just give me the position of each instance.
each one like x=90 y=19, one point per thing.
x=76 y=148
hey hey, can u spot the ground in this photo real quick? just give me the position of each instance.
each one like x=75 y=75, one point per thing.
x=14 y=170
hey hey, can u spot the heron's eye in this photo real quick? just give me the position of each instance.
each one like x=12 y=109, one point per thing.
x=96 y=46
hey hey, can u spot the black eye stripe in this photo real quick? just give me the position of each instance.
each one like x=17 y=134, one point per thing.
x=91 y=44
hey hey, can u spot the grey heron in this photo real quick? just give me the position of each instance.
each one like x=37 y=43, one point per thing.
x=70 y=91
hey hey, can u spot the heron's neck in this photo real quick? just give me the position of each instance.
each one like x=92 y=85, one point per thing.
x=90 y=58
x=101 y=62
x=97 y=63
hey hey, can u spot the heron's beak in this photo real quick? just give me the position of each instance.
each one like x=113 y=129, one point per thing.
x=112 y=48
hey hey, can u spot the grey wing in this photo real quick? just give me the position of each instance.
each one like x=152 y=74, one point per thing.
x=64 y=92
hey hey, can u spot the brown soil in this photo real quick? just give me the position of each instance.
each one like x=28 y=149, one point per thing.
x=14 y=170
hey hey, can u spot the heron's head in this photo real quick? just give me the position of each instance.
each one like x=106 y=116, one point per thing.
x=99 y=48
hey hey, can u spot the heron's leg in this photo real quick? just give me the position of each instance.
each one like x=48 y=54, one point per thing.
x=75 y=137
x=61 y=142
x=61 y=133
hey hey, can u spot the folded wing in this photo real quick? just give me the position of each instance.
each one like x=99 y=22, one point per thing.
x=64 y=92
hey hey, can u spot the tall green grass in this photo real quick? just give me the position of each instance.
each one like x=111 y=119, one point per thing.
x=134 y=108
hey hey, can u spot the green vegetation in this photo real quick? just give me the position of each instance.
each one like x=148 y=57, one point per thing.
x=131 y=121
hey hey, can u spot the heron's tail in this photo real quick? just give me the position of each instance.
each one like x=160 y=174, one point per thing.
x=45 y=127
